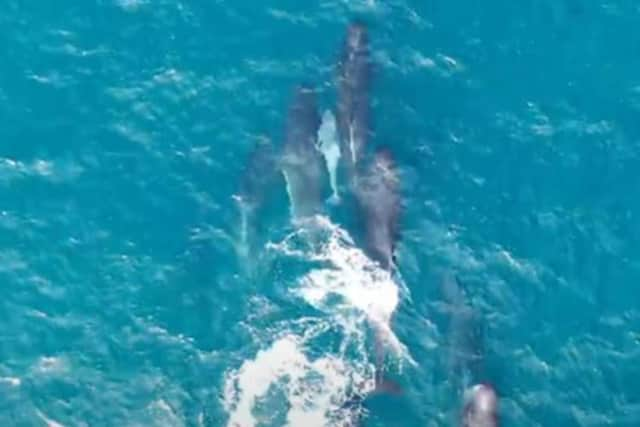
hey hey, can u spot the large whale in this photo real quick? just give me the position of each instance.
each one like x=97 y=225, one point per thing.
x=377 y=193
x=353 y=85
x=466 y=359
x=302 y=163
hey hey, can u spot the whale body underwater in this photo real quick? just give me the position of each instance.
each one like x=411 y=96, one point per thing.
x=301 y=161
x=466 y=359
x=374 y=181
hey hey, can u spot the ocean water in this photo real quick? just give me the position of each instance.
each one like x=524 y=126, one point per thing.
x=137 y=290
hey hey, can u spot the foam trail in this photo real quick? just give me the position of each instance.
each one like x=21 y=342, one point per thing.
x=329 y=146
x=283 y=385
x=313 y=387
x=360 y=282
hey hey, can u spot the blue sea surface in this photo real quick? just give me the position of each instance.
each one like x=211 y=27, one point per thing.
x=136 y=292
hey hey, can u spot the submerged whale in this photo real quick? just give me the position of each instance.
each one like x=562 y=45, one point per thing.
x=301 y=162
x=258 y=180
x=378 y=197
x=258 y=176
x=353 y=81
x=480 y=400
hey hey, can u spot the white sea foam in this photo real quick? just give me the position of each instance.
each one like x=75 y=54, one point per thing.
x=10 y=381
x=51 y=365
x=353 y=293
x=359 y=282
x=314 y=388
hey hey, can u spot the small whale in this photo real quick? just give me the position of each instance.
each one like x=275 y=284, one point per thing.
x=466 y=364
x=330 y=148
x=465 y=335
x=258 y=179
x=301 y=161
x=258 y=175
x=378 y=196
x=354 y=75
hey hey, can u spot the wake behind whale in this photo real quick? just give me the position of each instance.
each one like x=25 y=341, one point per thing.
x=347 y=292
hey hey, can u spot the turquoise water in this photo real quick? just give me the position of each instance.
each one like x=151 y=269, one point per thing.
x=133 y=294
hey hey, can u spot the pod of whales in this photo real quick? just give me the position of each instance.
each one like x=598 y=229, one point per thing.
x=343 y=139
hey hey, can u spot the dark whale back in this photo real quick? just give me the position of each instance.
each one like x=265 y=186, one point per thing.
x=354 y=81
x=379 y=201
x=303 y=121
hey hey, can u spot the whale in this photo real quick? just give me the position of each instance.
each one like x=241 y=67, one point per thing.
x=258 y=179
x=259 y=174
x=353 y=87
x=466 y=359
x=329 y=146
x=480 y=407
x=377 y=194
x=301 y=162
